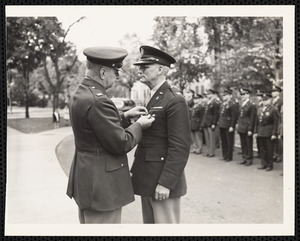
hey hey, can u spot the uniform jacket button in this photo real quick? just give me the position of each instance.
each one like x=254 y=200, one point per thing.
x=162 y=158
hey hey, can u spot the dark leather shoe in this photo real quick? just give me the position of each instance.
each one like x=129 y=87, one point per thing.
x=228 y=160
x=249 y=163
x=257 y=156
x=269 y=169
x=262 y=167
x=210 y=155
x=223 y=158
x=243 y=162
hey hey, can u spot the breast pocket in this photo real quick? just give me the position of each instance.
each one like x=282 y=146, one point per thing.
x=157 y=113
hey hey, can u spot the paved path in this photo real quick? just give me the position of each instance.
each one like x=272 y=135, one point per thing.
x=218 y=192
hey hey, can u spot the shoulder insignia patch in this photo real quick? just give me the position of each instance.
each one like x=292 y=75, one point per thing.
x=99 y=94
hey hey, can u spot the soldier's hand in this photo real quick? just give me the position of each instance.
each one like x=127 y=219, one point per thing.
x=213 y=127
x=161 y=193
x=146 y=121
x=250 y=133
x=273 y=137
x=230 y=129
x=136 y=111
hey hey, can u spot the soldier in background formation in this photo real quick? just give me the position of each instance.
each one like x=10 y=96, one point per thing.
x=267 y=131
x=259 y=106
x=209 y=122
x=245 y=127
x=250 y=118
x=278 y=143
x=196 y=119
x=228 y=118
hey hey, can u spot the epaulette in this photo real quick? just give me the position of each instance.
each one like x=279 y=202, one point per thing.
x=175 y=91
x=95 y=91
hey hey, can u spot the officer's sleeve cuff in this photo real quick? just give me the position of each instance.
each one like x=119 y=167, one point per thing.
x=124 y=121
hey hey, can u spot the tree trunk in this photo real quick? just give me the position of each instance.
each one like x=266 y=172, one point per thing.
x=26 y=90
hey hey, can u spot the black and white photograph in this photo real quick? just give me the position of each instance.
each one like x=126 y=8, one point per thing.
x=123 y=116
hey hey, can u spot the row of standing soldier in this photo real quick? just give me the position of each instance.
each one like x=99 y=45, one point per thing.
x=214 y=120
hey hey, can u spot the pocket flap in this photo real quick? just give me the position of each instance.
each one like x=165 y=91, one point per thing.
x=114 y=163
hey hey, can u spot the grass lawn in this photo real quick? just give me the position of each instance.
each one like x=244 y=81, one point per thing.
x=34 y=125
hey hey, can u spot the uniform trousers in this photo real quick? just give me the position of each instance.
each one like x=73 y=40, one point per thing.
x=227 y=142
x=278 y=147
x=258 y=145
x=90 y=216
x=266 y=151
x=197 y=137
x=210 y=139
x=165 y=211
x=247 y=145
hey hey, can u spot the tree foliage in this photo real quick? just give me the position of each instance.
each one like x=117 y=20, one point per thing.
x=231 y=51
x=34 y=42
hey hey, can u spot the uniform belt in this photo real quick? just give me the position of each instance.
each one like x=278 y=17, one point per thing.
x=95 y=150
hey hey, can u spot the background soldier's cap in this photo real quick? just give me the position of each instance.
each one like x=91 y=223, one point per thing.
x=245 y=91
x=199 y=96
x=151 y=55
x=266 y=95
x=276 y=88
x=228 y=91
x=107 y=56
x=211 y=91
x=259 y=93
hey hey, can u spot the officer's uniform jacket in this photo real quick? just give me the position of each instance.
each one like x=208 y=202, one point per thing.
x=229 y=114
x=196 y=117
x=278 y=103
x=211 y=113
x=267 y=122
x=99 y=177
x=247 y=118
x=163 y=153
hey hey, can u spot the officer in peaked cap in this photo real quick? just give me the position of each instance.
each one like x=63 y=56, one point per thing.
x=210 y=120
x=246 y=123
x=278 y=103
x=267 y=131
x=99 y=179
x=229 y=114
x=259 y=106
x=158 y=168
x=196 y=119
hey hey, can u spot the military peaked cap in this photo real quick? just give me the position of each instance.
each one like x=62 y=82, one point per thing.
x=211 y=91
x=107 y=56
x=259 y=93
x=245 y=91
x=228 y=91
x=266 y=95
x=150 y=55
x=199 y=96
x=276 y=88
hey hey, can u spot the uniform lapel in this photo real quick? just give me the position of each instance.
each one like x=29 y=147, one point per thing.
x=159 y=94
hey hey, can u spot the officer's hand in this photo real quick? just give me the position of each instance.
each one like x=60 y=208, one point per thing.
x=161 y=193
x=213 y=127
x=146 y=121
x=273 y=137
x=250 y=133
x=230 y=129
x=136 y=111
